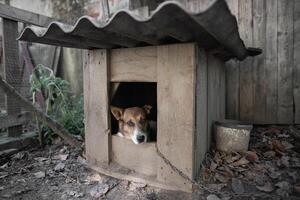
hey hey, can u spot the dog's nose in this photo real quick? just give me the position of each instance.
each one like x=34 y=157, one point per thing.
x=140 y=138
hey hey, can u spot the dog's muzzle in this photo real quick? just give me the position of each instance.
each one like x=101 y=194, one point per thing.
x=139 y=136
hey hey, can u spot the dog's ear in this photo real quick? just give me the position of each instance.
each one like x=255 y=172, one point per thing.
x=117 y=112
x=147 y=108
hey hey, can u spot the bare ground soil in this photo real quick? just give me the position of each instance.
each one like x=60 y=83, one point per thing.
x=269 y=170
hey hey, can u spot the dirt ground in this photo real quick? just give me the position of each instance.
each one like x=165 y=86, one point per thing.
x=269 y=170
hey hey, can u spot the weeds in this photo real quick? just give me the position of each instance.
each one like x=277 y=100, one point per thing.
x=59 y=103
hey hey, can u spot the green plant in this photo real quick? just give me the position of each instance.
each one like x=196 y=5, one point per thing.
x=60 y=104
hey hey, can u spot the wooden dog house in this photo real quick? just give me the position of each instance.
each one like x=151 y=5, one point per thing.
x=184 y=53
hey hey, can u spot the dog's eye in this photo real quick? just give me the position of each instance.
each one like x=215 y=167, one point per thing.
x=142 y=121
x=130 y=123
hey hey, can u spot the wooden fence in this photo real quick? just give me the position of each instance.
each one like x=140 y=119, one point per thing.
x=12 y=69
x=266 y=89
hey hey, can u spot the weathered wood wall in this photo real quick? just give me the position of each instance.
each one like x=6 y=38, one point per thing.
x=266 y=89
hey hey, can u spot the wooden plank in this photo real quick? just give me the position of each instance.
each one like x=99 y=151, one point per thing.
x=285 y=61
x=176 y=111
x=215 y=94
x=16 y=120
x=246 y=73
x=12 y=69
x=126 y=154
x=134 y=64
x=201 y=136
x=96 y=106
x=122 y=173
x=259 y=75
x=104 y=7
x=297 y=60
x=232 y=76
x=24 y=16
x=271 y=61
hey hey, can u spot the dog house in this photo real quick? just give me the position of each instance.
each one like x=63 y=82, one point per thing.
x=183 y=54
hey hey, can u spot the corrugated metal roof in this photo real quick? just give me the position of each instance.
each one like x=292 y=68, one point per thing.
x=214 y=29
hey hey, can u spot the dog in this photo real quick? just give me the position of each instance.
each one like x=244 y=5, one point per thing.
x=133 y=123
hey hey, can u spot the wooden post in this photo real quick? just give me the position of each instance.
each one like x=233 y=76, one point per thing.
x=96 y=106
x=12 y=70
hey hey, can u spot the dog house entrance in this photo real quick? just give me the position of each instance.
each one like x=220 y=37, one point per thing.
x=142 y=157
x=134 y=94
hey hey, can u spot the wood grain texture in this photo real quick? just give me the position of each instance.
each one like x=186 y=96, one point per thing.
x=96 y=106
x=24 y=16
x=12 y=69
x=176 y=110
x=232 y=76
x=296 y=83
x=140 y=158
x=201 y=137
x=215 y=94
x=259 y=72
x=285 y=61
x=271 y=61
x=246 y=70
x=134 y=64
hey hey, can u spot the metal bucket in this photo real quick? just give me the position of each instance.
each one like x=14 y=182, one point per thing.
x=232 y=135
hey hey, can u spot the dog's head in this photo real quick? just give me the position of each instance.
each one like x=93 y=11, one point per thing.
x=133 y=123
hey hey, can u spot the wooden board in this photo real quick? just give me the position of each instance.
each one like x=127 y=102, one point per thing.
x=297 y=60
x=271 y=61
x=20 y=15
x=215 y=94
x=232 y=76
x=246 y=72
x=285 y=61
x=176 y=111
x=12 y=69
x=140 y=158
x=259 y=75
x=119 y=172
x=201 y=137
x=96 y=106
x=11 y=120
x=134 y=64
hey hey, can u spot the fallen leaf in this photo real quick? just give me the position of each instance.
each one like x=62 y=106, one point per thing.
x=271 y=130
x=267 y=187
x=213 y=166
x=59 y=167
x=269 y=154
x=251 y=156
x=81 y=160
x=287 y=145
x=61 y=157
x=212 y=197
x=134 y=186
x=242 y=161
x=216 y=187
x=237 y=186
x=99 y=190
x=277 y=146
x=40 y=174
x=40 y=159
x=221 y=178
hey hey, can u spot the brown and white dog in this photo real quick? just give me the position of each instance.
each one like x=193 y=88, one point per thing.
x=133 y=123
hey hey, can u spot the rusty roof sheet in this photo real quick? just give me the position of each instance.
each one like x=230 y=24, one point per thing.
x=214 y=29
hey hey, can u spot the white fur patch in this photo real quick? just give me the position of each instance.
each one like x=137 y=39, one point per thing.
x=120 y=134
x=136 y=133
